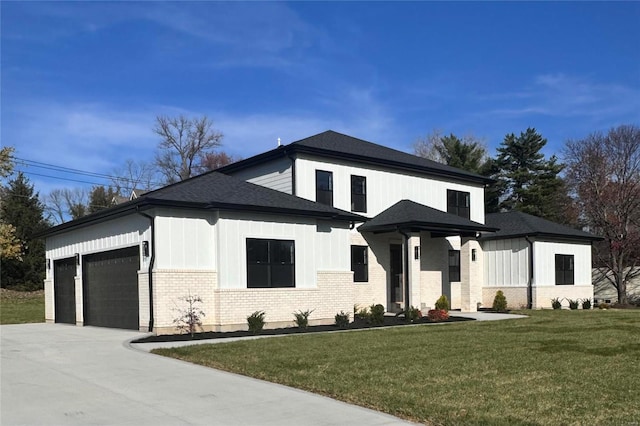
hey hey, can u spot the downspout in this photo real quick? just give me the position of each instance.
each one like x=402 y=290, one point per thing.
x=293 y=172
x=406 y=268
x=530 y=283
x=151 y=263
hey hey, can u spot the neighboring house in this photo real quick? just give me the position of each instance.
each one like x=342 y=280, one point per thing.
x=323 y=224
x=605 y=292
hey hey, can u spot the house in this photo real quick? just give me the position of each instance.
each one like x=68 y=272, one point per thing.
x=324 y=223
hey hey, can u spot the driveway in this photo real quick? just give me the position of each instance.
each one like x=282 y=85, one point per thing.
x=66 y=375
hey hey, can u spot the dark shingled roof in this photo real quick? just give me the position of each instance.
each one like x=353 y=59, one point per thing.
x=407 y=214
x=217 y=191
x=517 y=224
x=339 y=146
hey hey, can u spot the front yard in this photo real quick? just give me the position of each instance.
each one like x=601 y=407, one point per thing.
x=556 y=367
x=18 y=307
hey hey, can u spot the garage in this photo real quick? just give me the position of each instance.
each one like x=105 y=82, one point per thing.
x=110 y=288
x=64 y=290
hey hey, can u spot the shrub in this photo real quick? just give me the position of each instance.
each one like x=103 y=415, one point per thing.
x=302 y=318
x=190 y=317
x=603 y=305
x=342 y=319
x=573 y=304
x=586 y=303
x=437 y=315
x=556 y=304
x=256 y=322
x=500 y=302
x=377 y=314
x=412 y=314
x=442 y=303
x=362 y=314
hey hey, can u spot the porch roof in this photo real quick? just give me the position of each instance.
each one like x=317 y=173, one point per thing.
x=409 y=215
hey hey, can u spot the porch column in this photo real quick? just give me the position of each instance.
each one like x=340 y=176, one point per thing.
x=414 y=271
x=471 y=274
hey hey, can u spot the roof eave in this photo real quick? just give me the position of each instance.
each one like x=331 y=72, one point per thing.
x=543 y=235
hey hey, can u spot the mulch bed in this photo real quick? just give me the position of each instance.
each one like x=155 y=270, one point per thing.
x=356 y=325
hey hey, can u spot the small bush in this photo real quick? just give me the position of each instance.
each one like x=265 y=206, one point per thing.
x=573 y=304
x=603 y=305
x=342 y=319
x=586 y=303
x=256 y=322
x=442 y=303
x=437 y=315
x=412 y=314
x=189 y=319
x=500 y=302
x=377 y=314
x=556 y=304
x=302 y=318
x=362 y=314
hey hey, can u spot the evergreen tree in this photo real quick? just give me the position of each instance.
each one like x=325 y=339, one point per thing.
x=529 y=182
x=101 y=198
x=468 y=154
x=22 y=209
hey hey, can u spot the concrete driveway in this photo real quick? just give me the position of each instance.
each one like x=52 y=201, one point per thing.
x=65 y=375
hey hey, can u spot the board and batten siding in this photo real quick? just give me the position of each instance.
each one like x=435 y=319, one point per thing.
x=385 y=187
x=318 y=247
x=275 y=174
x=545 y=261
x=506 y=262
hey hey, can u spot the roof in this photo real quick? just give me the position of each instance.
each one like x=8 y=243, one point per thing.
x=410 y=215
x=339 y=146
x=516 y=224
x=216 y=191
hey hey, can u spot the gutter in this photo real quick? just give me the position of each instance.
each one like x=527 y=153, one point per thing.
x=406 y=268
x=151 y=264
x=531 y=276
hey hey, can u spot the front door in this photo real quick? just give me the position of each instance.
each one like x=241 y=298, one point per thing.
x=396 y=298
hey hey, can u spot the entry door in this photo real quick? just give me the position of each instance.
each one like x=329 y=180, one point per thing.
x=395 y=272
x=64 y=290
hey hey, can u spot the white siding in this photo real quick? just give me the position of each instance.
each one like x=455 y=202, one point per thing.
x=318 y=247
x=544 y=262
x=274 y=174
x=506 y=262
x=384 y=187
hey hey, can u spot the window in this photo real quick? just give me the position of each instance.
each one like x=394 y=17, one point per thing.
x=564 y=269
x=324 y=187
x=359 y=264
x=458 y=203
x=358 y=194
x=270 y=263
x=454 y=265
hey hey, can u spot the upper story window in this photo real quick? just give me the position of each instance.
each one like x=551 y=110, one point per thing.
x=454 y=265
x=564 y=269
x=324 y=187
x=359 y=264
x=270 y=263
x=458 y=203
x=358 y=194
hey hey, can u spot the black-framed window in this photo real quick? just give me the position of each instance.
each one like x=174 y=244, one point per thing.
x=458 y=203
x=360 y=264
x=454 y=265
x=324 y=187
x=564 y=269
x=358 y=194
x=270 y=263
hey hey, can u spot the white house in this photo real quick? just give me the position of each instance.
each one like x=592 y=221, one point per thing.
x=323 y=224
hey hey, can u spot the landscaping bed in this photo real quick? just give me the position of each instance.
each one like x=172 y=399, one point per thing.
x=358 y=324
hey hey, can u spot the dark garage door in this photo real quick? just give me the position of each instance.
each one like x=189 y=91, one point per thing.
x=110 y=287
x=64 y=290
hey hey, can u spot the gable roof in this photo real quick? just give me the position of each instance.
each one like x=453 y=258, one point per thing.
x=408 y=214
x=516 y=224
x=216 y=191
x=339 y=146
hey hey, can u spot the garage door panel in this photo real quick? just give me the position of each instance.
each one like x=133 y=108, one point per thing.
x=111 y=288
x=64 y=290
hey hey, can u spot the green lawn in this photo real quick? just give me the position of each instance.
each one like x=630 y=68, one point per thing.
x=556 y=367
x=19 y=307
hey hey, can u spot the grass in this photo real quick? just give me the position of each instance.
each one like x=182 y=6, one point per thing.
x=556 y=367
x=19 y=307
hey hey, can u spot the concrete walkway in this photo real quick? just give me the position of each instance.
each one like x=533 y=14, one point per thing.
x=55 y=374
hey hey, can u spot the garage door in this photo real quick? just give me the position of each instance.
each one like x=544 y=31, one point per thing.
x=110 y=288
x=64 y=290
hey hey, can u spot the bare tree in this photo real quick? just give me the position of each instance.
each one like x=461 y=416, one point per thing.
x=134 y=175
x=64 y=204
x=603 y=171
x=426 y=147
x=215 y=160
x=185 y=141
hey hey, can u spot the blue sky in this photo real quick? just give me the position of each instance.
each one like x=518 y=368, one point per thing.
x=82 y=82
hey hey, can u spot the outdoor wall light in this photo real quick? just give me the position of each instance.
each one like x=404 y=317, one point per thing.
x=77 y=258
x=48 y=263
x=145 y=248
x=473 y=255
x=416 y=252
